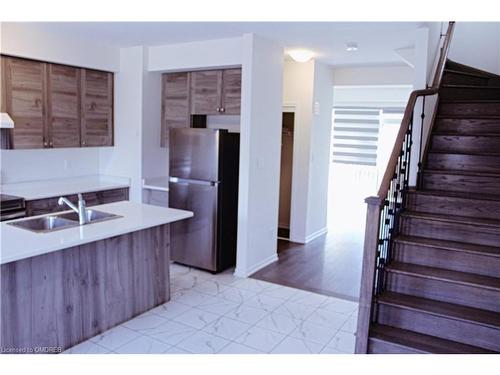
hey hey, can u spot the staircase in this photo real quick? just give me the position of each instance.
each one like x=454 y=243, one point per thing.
x=442 y=284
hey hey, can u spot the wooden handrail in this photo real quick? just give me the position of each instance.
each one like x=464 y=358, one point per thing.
x=376 y=204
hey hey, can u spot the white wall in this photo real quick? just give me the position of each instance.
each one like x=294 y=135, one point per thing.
x=373 y=75
x=477 y=44
x=25 y=39
x=304 y=85
x=154 y=157
x=124 y=159
x=320 y=151
x=196 y=55
x=260 y=152
x=30 y=165
x=28 y=41
x=298 y=90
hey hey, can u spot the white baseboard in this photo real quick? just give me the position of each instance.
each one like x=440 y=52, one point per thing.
x=245 y=273
x=316 y=234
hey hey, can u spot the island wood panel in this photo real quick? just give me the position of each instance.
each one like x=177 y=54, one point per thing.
x=63 y=90
x=62 y=298
x=175 y=103
x=26 y=102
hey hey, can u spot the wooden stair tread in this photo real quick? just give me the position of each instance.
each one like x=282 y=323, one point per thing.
x=442 y=309
x=450 y=64
x=477 y=75
x=449 y=245
x=469 y=101
x=461 y=172
x=457 y=194
x=496 y=135
x=453 y=219
x=441 y=274
x=422 y=343
x=480 y=87
x=454 y=152
x=474 y=116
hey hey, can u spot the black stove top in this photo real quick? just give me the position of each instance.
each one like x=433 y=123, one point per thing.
x=7 y=198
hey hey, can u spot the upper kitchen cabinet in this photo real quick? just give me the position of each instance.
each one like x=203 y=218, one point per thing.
x=175 y=103
x=231 y=92
x=97 y=108
x=24 y=99
x=216 y=92
x=63 y=90
x=55 y=106
x=206 y=89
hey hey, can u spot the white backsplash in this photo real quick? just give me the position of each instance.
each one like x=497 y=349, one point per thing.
x=30 y=165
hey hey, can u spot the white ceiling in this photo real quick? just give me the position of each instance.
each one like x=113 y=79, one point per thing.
x=376 y=40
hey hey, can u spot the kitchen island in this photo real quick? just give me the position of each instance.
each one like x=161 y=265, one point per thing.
x=63 y=287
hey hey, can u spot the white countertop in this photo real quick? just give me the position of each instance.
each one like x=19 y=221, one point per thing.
x=156 y=183
x=18 y=243
x=64 y=186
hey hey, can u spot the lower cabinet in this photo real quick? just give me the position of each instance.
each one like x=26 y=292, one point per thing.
x=50 y=205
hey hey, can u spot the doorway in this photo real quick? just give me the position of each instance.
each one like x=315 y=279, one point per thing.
x=288 y=119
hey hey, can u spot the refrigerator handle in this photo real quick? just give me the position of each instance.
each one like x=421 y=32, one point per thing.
x=186 y=181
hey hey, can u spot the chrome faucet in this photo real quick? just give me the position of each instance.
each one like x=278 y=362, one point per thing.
x=81 y=210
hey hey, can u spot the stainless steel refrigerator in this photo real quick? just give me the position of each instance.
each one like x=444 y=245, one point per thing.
x=204 y=179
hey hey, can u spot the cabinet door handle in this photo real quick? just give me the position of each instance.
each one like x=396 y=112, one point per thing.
x=83 y=143
x=218 y=109
x=223 y=109
x=45 y=143
x=51 y=144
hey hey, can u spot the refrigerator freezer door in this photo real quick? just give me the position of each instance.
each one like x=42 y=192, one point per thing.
x=194 y=154
x=194 y=241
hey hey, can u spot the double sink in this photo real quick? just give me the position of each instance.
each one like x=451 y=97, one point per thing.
x=52 y=223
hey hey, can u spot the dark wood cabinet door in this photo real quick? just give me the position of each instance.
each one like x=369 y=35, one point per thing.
x=206 y=89
x=97 y=108
x=63 y=90
x=110 y=196
x=175 y=103
x=25 y=101
x=231 y=92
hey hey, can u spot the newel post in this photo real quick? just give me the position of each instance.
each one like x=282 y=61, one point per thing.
x=368 y=272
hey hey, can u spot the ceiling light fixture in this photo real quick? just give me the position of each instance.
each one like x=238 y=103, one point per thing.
x=351 y=46
x=301 y=55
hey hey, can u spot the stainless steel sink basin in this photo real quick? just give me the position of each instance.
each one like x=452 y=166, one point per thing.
x=45 y=224
x=92 y=216
x=51 y=223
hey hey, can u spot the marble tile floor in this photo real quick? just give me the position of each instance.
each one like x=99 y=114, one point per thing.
x=224 y=314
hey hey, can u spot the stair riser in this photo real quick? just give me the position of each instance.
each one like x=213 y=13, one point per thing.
x=443 y=205
x=450 y=94
x=461 y=79
x=468 y=126
x=447 y=259
x=461 y=183
x=384 y=347
x=460 y=294
x=437 y=326
x=469 y=109
x=472 y=163
x=459 y=232
x=493 y=79
x=465 y=144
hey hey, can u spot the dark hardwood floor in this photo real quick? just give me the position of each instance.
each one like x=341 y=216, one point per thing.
x=330 y=264
x=327 y=265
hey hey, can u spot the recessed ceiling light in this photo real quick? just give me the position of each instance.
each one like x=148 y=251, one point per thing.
x=301 y=55
x=351 y=46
